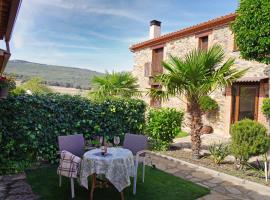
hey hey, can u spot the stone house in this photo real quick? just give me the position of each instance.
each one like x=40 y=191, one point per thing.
x=241 y=100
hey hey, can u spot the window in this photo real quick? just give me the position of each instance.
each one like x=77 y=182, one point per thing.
x=157 y=58
x=203 y=43
x=155 y=102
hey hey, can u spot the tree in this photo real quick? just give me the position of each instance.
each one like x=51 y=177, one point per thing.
x=121 y=84
x=199 y=73
x=36 y=86
x=252 y=30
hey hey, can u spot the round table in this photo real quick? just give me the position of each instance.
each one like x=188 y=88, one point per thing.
x=117 y=166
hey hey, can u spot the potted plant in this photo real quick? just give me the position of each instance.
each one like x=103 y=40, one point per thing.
x=6 y=84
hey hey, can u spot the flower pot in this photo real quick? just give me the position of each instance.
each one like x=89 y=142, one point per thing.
x=3 y=92
x=206 y=130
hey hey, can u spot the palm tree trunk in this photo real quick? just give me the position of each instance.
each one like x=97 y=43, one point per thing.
x=195 y=127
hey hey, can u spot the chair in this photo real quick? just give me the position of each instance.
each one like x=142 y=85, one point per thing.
x=137 y=144
x=75 y=145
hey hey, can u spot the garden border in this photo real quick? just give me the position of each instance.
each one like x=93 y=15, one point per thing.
x=259 y=188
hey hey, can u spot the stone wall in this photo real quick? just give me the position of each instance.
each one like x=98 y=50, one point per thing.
x=180 y=47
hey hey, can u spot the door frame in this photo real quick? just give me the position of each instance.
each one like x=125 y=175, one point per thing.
x=235 y=110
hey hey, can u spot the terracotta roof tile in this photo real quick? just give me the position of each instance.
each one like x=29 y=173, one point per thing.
x=185 y=32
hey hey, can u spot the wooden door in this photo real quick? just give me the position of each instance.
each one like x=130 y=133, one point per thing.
x=245 y=102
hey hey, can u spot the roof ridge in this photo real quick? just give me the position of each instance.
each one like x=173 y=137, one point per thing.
x=185 y=31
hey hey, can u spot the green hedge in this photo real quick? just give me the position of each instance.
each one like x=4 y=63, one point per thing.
x=29 y=125
x=266 y=107
x=163 y=125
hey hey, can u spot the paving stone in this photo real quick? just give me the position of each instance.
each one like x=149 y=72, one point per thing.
x=256 y=196
x=215 y=196
x=21 y=189
x=196 y=180
x=17 y=177
x=22 y=197
x=216 y=180
x=172 y=170
x=211 y=185
x=2 y=188
x=180 y=174
x=220 y=189
x=202 y=176
x=232 y=190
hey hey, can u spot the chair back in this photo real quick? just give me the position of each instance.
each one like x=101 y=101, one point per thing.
x=135 y=143
x=72 y=143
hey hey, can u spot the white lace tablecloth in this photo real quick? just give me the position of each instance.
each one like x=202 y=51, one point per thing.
x=117 y=166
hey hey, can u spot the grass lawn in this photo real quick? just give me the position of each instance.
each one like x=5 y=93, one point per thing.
x=158 y=186
x=182 y=134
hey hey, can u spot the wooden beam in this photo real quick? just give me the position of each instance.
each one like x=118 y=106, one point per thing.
x=13 y=12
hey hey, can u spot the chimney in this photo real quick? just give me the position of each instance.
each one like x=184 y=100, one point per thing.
x=154 y=29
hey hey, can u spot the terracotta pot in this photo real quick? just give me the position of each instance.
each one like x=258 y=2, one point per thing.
x=206 y=130
x=3 y=92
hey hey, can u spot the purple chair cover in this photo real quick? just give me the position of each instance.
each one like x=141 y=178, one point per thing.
x=72 y=143
x=135 y=143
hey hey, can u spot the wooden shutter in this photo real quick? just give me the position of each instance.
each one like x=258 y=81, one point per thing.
x=157 y=58
x=203 y=43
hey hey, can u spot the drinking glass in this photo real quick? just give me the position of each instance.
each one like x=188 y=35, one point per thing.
x=101 y=140
x=116 y=140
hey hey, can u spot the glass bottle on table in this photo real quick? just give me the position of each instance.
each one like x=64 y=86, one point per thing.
x=116 y=140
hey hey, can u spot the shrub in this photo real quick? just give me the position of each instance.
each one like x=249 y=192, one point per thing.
x=36 y=86
x=219 y=152
x=249 y=138
x=207 y=104
x=30 y=124
x=266 y=107
x=163 y=125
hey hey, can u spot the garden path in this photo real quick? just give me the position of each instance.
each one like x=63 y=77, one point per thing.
x=220 y=189
x=15 y=187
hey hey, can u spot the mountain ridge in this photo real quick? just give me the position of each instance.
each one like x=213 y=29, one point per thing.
x=54 y=75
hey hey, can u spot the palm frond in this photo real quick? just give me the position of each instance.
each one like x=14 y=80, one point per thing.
x=197 y=74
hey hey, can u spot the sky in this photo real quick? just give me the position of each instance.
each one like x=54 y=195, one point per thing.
x=97 y=34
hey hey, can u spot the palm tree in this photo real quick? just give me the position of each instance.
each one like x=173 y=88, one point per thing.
x=198 y=74
x=115 y=84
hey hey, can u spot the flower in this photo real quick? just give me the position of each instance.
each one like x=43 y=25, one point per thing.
x=7 y=82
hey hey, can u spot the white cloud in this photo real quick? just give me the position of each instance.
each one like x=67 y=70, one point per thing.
x=91 y=7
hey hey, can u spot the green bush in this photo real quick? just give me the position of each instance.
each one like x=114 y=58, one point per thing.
x=251 y=29
x=249 y=138
x=266 y=107
x=219 y=152
x=29 y=125
x=207 y=104
x=163 y=125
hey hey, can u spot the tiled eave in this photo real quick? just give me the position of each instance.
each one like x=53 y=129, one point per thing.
x=205 y=26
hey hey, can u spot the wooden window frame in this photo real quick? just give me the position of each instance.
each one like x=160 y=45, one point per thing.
x=235 y=110
x=152 y=72
x=200 y=46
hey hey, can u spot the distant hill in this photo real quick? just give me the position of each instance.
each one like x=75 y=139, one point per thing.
x=51 y=74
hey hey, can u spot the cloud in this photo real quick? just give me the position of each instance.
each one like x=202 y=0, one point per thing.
x=91 y=7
